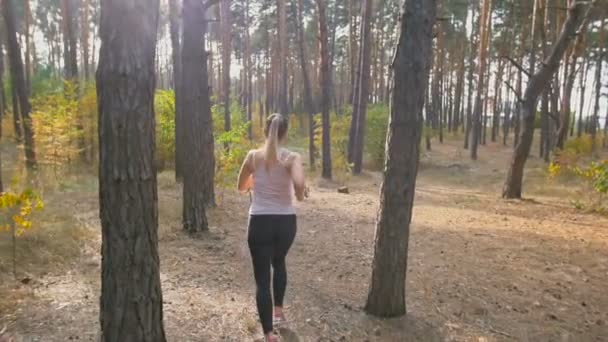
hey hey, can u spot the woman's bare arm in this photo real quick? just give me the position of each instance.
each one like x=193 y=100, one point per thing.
x=245 y=182
x=297 y=174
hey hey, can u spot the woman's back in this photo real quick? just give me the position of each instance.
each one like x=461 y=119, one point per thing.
x=272 y=186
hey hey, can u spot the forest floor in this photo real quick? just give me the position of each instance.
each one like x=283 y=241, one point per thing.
x=480 y=268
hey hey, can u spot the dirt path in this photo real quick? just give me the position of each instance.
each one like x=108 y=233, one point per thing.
x=480 y=269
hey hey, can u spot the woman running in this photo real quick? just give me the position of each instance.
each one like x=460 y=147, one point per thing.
x=275 y=175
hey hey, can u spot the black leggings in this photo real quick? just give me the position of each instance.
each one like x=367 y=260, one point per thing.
x=269 y=238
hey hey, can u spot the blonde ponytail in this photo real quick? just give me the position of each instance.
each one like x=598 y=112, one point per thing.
x=271 y=147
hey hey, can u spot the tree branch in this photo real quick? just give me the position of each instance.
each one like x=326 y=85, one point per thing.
x=517 y=94
x=519 y=67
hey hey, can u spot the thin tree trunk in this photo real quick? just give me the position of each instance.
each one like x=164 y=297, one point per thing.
x=308 y=104
x=325 y=89
x=598 y=86
x=484 y=23
x=283 y=51
x=85 y=39
x=582 y=88
x=18 y=82
x=360 y=108
x=536 y=85
x=226 y=24
x=69 y=40
x=386 y=296
x=472 y=50
x=248 y=73
x=28 y=59
x=176 y=58
x=131 y=297
x=570 y=76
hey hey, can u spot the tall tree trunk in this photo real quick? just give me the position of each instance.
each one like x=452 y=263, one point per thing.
x=582 y=88
x=28 y=59
x=176 y=57
x=131 y=297
x=353 y=50
x=459 y=92
x=248 y=73
x=472 y=49
x=308 y=104
x=360 y=108
x=386 y=297
x=69 y=40
x=536 y=85
x=283 y=53
x=436 y=98
x=484 y=24
x=198 y=125
x=226 y=24
x=598 y=86
x=325 y=89
x=18 y=83
x=84 y=40
x=570 y=76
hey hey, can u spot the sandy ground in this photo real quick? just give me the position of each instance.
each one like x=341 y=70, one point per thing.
x=480 y=268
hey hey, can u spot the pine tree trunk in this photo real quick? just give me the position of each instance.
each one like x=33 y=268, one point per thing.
x=598 y=86
x=353 y=51
x=198 y=125
x=544 y=123
x=226 y=24
x=131 y=297
x=69 y=40
x=28 y=59
x=570 y=76
x=283 y=48
x=484 y=23
x=325 y=89
x=85 y=39
x=360 y=108
x=536 y=85
x=459 y=92
x=473 y=48
x=308 y=104
x=176 y=58
x=20 y=98
x=386 y=297
x=248 y=72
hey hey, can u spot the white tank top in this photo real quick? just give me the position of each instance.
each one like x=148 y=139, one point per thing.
x=272 y=189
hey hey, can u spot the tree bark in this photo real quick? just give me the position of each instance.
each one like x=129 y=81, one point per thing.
x=20 y=97
x=484 y=24
x=69 y=40
x=85 y=39
x=582 y=88
x=386 y=297
x=28 y=59
x=308 y=104
x=324 y=84
x=360 y=108
x=570 y=76
x=226 y=24
x=283 y=51
x=198 y=172
x=176 y=56
x=131 y=297
x=472 y=45
x=248 y=72
x=598 y=86
x=536 y=85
